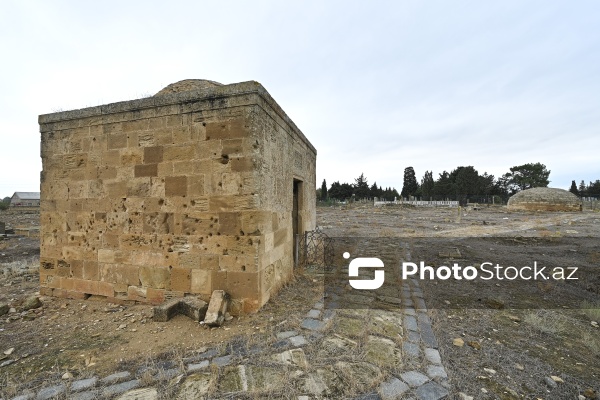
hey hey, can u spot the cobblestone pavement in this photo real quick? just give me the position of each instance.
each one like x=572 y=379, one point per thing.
x=368 y=346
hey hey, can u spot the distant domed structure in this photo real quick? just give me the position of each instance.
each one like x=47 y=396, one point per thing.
x=544 y=199
x=188 y=85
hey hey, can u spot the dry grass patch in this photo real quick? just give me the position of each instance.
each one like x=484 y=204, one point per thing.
x=591 y=310
x=546 y=322
x=592 y=342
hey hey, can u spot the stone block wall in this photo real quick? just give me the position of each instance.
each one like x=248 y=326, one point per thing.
x=173 y=195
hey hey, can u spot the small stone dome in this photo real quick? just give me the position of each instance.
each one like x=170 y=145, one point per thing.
x=544 y=199
x=187 y=85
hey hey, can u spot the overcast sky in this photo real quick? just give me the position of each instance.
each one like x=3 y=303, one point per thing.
x=375 y=86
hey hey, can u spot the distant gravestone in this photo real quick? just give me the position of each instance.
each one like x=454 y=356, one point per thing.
x=2 y=228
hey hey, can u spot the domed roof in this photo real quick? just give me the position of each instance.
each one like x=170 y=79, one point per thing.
x=545 y=199
x=188 y=85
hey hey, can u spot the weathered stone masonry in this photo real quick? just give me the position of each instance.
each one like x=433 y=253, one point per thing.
x=177 y=194
x=544 y=199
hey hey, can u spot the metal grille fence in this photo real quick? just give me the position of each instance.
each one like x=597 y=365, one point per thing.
x=314 y=248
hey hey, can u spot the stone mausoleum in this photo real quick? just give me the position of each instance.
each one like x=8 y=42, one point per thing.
x=544 y=199
x=200 y=187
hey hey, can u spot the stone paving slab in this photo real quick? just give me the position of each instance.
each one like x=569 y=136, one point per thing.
x=28 y=396
x=298 y=341
x=432 y=391
x=83 y=384
x=88 y=395
x=116 y=377
x=197 y=367
x=286 y=334
x=50 y=392
x=414 y=378
x=222 y=361
x=393 y=389
x=120 y=388
x=313 y=324
x=140 y=394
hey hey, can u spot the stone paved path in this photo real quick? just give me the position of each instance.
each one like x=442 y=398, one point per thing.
x=348 y=346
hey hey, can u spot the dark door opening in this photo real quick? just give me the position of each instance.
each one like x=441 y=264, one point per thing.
x=296 y=225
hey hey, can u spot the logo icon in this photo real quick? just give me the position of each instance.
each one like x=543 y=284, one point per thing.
x=365 y=262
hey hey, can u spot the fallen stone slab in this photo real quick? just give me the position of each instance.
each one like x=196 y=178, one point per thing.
x=193 y=308
x=217 y=307
x=166 y=310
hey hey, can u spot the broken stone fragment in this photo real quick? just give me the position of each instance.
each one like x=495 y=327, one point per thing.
x=32 y=302
x=190 y=307
x=166 y=310
x=217 y=307
x=193 y=308
x=475 y=344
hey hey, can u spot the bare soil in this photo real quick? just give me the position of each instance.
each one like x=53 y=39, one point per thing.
x=524 y=334
x=517 y=334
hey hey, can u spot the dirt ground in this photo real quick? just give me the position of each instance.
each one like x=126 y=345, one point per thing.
x=515 y=335
x=512 y=336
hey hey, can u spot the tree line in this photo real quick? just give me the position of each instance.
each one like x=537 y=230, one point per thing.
x=583 y=190
x=5 y=203
x=465 y=183
x=462 y=184
x=358 y=190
